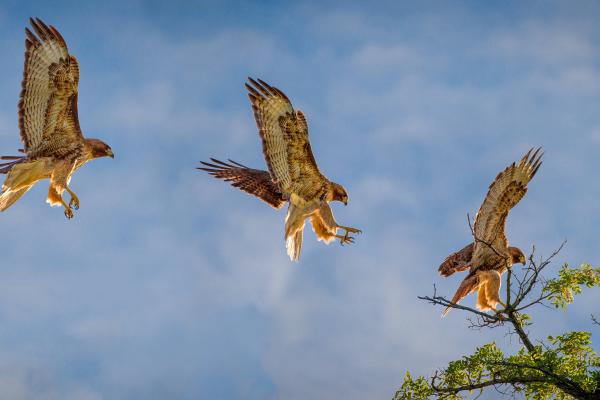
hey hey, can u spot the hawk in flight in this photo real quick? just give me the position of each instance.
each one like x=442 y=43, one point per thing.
x=54 y=146
x=293 y=176
x=489 y=256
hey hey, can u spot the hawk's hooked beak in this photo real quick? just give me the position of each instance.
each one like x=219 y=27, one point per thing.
x=346 y=202
x=111 y=154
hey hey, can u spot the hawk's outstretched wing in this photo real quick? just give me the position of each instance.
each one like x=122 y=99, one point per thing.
x=286 y=146
x=48 y=118
x=504 y=193
x=253 y=181
x=457 y=262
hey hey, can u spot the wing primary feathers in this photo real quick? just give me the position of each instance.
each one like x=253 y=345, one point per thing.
x=260 y=88
x=252 y=181
x=272 y=90
x=31 y=38
x=253 y=93
x=526 y=156
x=57 y=35
x=458 y=261
x=41 y=29
x=236 y=163
x=536 y=163
x=7 y=166
x=11 y=157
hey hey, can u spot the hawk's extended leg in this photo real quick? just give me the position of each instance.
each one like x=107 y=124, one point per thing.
x=492 y=289
x=482 y=299
x=58 y=184
x=348 y=231
x=329 y=220
x=74 y=203
x=55 y=199
x=345 y=239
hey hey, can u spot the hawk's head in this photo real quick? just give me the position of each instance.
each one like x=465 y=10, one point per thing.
x=99 y=148
x=517 y=256
x=338 y=193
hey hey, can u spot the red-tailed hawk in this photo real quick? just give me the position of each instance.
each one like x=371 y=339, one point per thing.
x=293 y=175
x=490 y=256
x=54 y=145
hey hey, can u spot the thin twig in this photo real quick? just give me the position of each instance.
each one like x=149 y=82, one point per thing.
x=478 y=239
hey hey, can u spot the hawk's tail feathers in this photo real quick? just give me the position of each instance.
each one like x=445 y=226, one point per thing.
x=9 y=196
x=294 y=244
x=468 y=285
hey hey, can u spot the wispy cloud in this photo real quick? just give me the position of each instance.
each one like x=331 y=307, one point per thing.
x=168 y=284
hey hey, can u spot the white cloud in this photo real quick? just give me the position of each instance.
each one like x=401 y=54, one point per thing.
x=167 y=276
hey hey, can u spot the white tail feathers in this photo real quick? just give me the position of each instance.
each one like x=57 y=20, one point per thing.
x=9 y=196
x=294 y=244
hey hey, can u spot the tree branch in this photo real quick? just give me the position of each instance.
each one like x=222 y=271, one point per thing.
x=491 y=382
x=564 y=383
x=439 y=300
x=478 y=239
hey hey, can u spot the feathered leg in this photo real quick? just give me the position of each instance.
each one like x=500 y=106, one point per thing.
x=482 y=296
x=329 y=220
x=74 y=203
x=323 y=232
x=58 y=184
x=492 y=289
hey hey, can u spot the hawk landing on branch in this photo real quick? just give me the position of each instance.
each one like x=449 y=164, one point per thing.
x=489 y=256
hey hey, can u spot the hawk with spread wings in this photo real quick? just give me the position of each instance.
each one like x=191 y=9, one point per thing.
x=489 y=256
x=54 y=146
x=293 y=175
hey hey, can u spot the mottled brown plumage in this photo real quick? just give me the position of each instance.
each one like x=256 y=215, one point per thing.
x=490 y=255
x=293 y=175
x=253 y=181
x=457 y=262
x=54 y=145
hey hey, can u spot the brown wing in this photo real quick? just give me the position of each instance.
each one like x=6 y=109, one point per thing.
x=48 y=118
x=286 y=146
x=457 y=262
x=253 y=181
x=504 y=193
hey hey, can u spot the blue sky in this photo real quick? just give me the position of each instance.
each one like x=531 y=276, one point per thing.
x=169 y=284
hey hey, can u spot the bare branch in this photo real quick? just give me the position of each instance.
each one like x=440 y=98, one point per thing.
x=439 y=300
x=532 y=277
